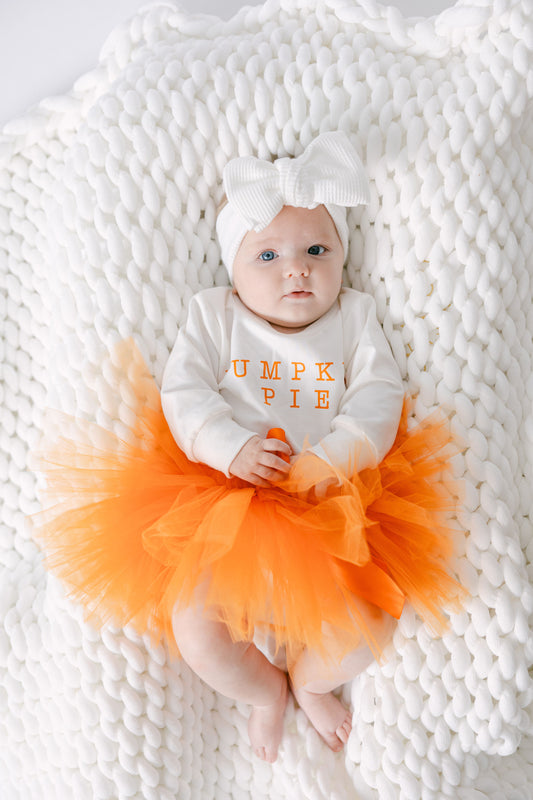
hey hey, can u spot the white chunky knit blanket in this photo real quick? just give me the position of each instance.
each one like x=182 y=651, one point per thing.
x=107 y=203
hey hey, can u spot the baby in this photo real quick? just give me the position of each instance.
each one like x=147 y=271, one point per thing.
x=287 y=347
x=270 y=560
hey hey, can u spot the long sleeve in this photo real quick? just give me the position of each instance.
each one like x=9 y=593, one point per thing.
x=370 y=410
x=199 y=418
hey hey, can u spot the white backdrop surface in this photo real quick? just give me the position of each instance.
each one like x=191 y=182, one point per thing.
x=46 y=46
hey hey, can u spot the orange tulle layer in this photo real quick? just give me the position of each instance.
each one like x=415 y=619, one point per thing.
x=133 y=527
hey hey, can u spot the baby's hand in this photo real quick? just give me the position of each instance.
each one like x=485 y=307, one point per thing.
x=258 y=463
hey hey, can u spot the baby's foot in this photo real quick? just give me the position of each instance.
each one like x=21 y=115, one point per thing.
x=265 y=727
x=327 y=715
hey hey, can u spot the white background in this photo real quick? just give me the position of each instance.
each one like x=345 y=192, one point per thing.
x=45 y=45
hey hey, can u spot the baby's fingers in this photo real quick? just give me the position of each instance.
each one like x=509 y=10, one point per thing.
x=273 y=467
x=279 y=446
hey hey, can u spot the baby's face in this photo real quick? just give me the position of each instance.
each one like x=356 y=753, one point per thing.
x=290 y=273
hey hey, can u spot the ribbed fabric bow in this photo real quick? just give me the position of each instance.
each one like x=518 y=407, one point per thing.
x=328 y=172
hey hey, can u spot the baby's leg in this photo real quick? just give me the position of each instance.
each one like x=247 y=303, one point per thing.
x=237 y=670
x=313 y=681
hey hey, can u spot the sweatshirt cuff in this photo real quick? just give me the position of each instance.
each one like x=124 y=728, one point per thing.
x=219 y=441
x=348 y=452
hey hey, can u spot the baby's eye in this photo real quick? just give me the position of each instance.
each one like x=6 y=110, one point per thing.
x=267 y=255
x=316 y=250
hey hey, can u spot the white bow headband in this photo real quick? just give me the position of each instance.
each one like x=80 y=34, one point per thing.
x=329 y=172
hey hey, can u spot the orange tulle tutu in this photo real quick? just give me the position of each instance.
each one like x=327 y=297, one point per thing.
x=132 y=527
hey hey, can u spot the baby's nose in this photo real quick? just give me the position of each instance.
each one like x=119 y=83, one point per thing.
x=296 y=267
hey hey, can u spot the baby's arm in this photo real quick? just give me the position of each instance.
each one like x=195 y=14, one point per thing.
x=366 y=425
x=199 y=418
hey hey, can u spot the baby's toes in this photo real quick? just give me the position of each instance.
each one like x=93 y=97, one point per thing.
x=344 y=730
x=333 y=741
x=260 y=753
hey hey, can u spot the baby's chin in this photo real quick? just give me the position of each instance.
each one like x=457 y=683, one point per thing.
x=296 y=322
x=290 y=316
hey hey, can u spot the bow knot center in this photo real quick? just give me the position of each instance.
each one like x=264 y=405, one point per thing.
x=295 y=187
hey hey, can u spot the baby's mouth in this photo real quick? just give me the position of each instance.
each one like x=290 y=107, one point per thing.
x=298 y=294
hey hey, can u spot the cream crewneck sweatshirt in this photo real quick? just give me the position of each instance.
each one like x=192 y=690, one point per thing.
x=334 y=385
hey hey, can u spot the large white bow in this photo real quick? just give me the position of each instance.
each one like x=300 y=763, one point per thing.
x=328 y=172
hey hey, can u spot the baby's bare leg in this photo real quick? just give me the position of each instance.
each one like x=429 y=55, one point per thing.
x=313 y=681
x=237 y=670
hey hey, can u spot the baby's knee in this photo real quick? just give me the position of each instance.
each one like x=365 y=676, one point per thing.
x=204 y=641
x=191 y=637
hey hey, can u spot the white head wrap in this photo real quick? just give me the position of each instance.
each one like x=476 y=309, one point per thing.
x=329 y=172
